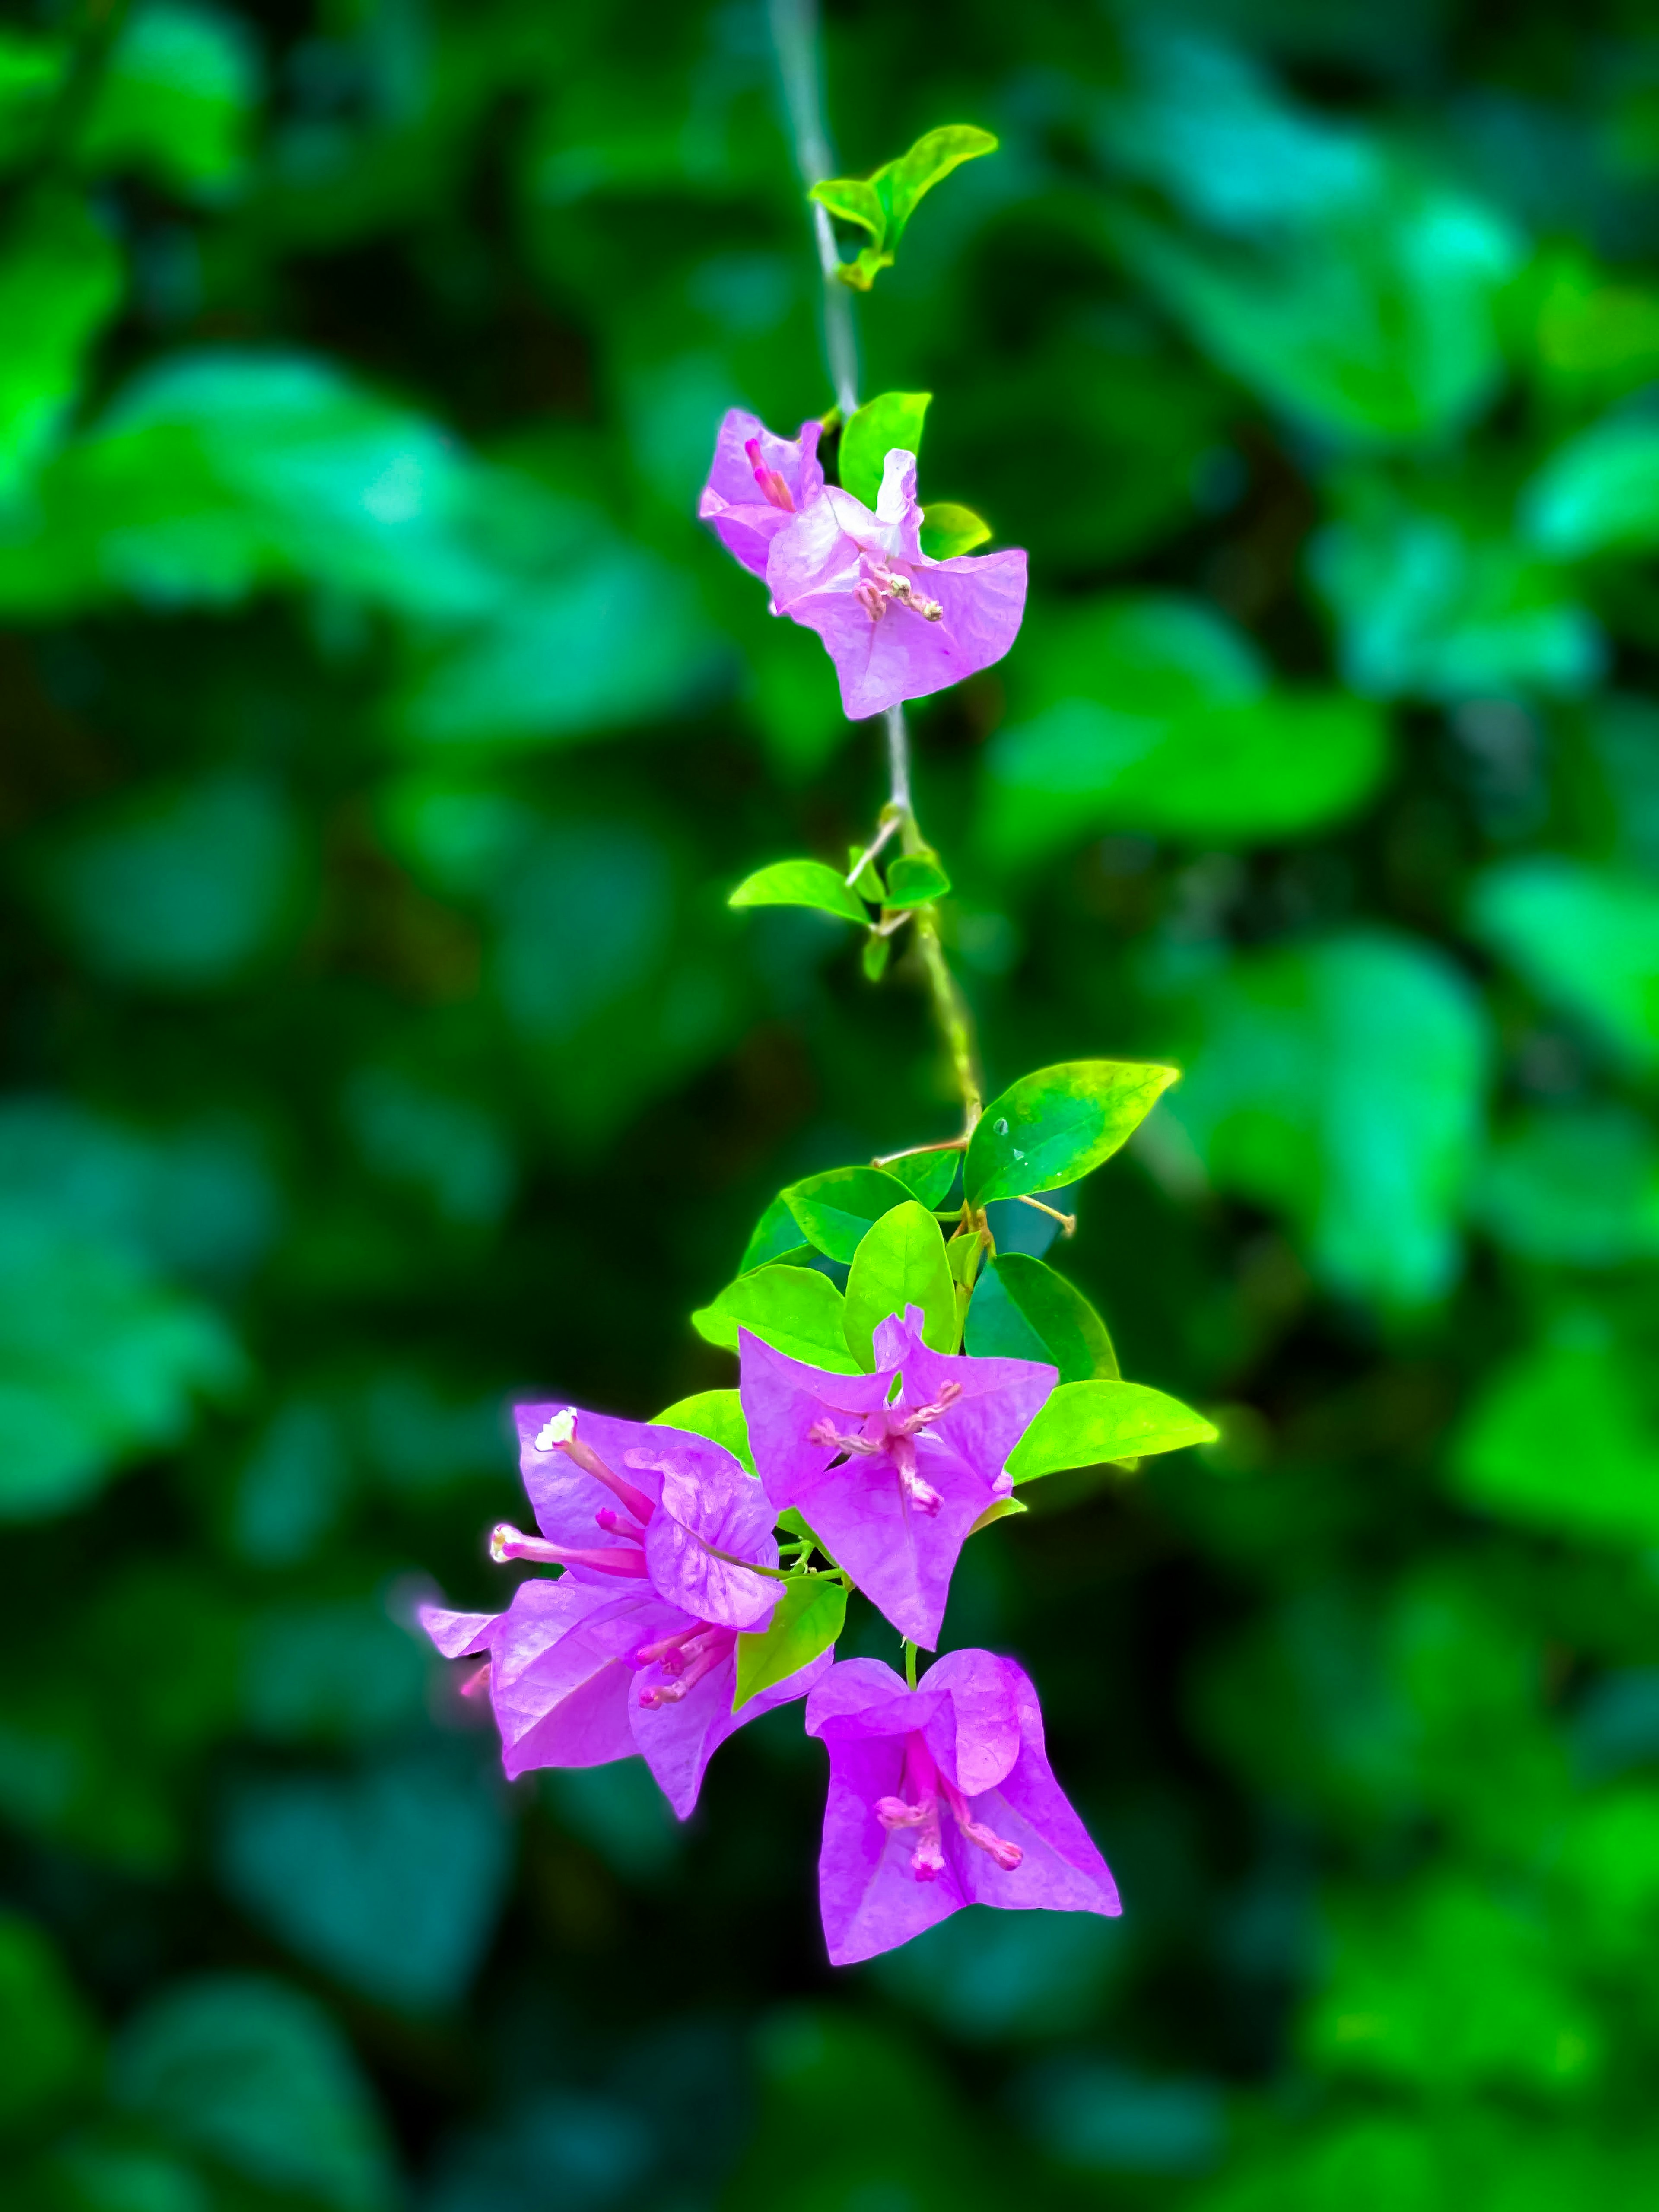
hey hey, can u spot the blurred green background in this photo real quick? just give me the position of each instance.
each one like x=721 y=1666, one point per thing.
x=379 y=738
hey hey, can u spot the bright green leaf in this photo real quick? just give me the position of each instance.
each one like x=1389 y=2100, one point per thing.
x=1056 y=1125
x=1000 y=1510
x=926 y=1175
x=893 y=419
x=1092 y=1424
x=915 y=879
x=877 y=951
x=867 y=882
x=794 y=1310
x=948 y=529
x=903 y=183
x=834 y=1210
x=900 y=1262
x=807 y=1620
x=801 y=883
x=853 y=200
x=1023 y=1309
x=716 y=1414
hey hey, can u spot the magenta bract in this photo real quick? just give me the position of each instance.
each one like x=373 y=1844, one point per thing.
x=941 y=1796
x=757 y=483
x=628 y=1500
x=896 y=624
x=893 y=1485
x=578 y=1675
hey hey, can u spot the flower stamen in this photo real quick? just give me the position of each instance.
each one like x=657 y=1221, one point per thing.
x=559 y=1433
x=772 y=485
x=506 y=1542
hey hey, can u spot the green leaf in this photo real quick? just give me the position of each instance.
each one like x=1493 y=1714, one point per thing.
x=1599 y=493
x=807 y=1620
x=1093 y=1424
x=1000 y=1510
x=855 y=200
x=1053 y=1127
x=176 y=100
x=1023 y=1309
x=915 y=879
x=867 y=882
x=903 y=183
x=1587 y=940
x=257 y=2075
x=900 y=1262
x=834 y=1210
x=801 y=883
x=48 y=2042
x=926 y=1175
x=776 y=1236
x=892 y=419
x=877 y=951
x=60 y=281
x=716 y=1414
x=948 y=529
x=1342 y=1082
x=884 y=203
x=794 y=1310
x=1563 y=1438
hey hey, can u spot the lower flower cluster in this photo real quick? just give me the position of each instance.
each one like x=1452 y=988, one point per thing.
x=940 y=1790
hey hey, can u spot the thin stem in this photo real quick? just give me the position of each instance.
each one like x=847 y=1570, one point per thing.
x=887 y=830
x=795 y=40
x=913 y=1152
x=898 y=760
x=1067 y=1221
x=910 y=1663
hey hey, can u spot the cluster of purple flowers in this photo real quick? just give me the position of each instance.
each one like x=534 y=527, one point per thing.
x=897 y=624
x=941 y=1795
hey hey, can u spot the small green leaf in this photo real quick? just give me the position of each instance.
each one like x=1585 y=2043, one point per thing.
x=877 y=951
x=926 y=1175
x=801 y=883
x=884 y=203
x=1051 y=1127
x=963 y=1254
x=999 y=1510
x=795 y=1310
x=1092 y=1424
x=1024 y=1309
x=948 y=529
x=776 y=1236
x=808 y=1619
x=867 y=882
x=900 y=1262
x=716 y=1414
x=834 y=1210
x=929 y=161
x=853 y=200
x=790 y=1523
x=916 y=877
x=892 y=419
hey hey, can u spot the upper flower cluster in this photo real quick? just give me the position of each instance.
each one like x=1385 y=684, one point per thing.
x=940 y=1796
x=897 y=624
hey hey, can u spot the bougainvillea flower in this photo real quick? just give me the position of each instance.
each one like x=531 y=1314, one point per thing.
x=630 y=1501
x=893 y=1482
x=757 y=483
x=896 y=624
x=941 y=1796
x=579 y=1674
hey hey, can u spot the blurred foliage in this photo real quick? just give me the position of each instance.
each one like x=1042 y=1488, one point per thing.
x=379 y=738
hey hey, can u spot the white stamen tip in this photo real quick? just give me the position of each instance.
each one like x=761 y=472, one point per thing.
x=559 y=1429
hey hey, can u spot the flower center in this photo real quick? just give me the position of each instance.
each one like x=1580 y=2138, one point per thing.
x=891 y=1434
x=919 y=1809
x=876 y=592
x=772 y=487
x=685 y=1657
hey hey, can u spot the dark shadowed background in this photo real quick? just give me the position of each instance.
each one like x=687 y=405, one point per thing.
x=380 y=735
